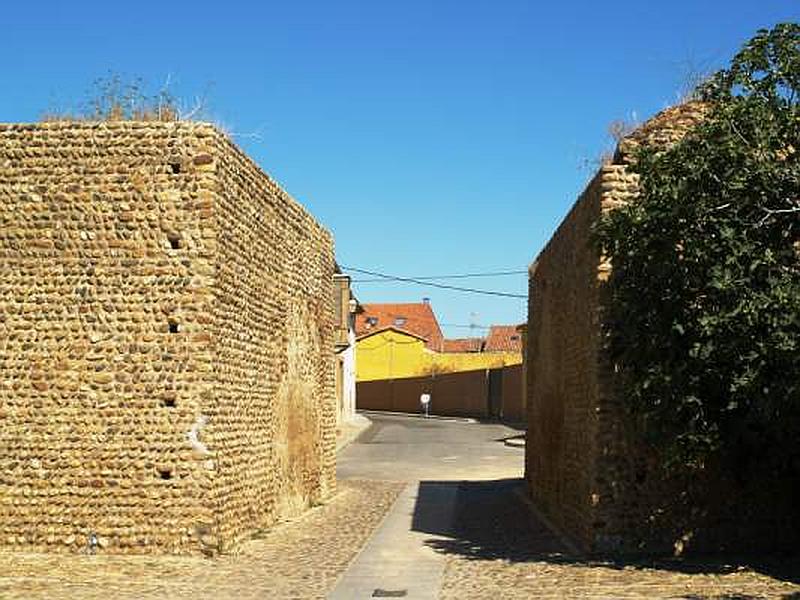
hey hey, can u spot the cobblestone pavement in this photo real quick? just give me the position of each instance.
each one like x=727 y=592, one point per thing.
x=300 y=559
x=491 y=553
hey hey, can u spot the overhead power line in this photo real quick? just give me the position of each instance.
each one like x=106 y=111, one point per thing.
x=461 y=276
x=432 y=284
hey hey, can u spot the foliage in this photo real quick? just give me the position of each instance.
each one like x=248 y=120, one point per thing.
x=705 y=287
x=114 y=99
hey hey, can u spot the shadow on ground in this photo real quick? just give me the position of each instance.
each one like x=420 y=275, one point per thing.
x=521 y=426
x=492 y=521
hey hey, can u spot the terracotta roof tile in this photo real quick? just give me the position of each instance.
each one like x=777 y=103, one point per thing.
x=463 y=345
x=503 y=338
x=417 y=318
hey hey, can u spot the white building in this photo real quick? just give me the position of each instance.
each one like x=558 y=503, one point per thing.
x=346 y=308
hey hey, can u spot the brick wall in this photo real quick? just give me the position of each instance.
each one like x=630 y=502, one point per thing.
x=513 y=406
x=454 y=394
x=165 y=341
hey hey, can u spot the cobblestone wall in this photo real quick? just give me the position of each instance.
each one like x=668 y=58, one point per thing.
x=165 y=341
x=583 y=467
x=274 y=327
x=563 y=389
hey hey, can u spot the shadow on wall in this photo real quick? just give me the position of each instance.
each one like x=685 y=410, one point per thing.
x=492 y=522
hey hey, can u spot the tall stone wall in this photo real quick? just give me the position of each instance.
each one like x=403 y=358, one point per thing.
x=585 y=469
x=562 y=376
x=165 y=341
x=275 y=407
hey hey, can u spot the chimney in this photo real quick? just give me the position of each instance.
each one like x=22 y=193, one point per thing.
x=426 y=300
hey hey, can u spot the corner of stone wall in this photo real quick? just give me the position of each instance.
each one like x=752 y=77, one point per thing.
x=204 y=434
x=563 y=342
x=618 y=186
x=273 y=322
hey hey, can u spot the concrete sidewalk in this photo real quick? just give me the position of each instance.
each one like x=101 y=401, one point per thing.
x=434 y=456
x=398 y=561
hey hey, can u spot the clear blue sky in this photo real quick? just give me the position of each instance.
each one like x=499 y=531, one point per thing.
x=432 y=137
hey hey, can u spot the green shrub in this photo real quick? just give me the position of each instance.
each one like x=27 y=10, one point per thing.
x=705 y=287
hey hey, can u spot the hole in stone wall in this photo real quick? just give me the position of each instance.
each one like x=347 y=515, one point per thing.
x=173 y=327
x=175 y=167
x=165 y=473
x=174 y=240
x=168 y=402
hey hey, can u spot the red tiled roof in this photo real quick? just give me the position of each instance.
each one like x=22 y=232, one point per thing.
x=463 y=345
x=503 y=338
x=370 y=332
x=417 y=318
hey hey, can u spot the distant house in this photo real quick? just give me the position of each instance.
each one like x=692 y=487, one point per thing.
x=395 y=341
x=503 y=338
x=415 y=318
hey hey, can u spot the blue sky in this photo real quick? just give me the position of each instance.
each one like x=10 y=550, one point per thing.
x=432 y=137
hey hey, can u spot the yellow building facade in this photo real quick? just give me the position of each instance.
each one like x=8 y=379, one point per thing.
x=394 y=354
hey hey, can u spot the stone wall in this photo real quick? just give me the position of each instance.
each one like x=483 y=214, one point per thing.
x=562 y=378
x=584 y=468
x=166 y=374
x=274 y=321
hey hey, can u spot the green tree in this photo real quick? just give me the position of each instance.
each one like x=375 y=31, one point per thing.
x=705 y=288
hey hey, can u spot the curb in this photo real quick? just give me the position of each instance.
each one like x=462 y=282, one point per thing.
x=419 y=416
x=353 y=428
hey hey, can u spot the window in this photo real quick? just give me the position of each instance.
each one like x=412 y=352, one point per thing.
x=400 y=321
x=372 y=321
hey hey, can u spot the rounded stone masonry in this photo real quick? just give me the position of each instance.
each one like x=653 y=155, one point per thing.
x=166 y=341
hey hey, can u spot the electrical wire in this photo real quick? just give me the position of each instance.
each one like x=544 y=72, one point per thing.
x=432 y=284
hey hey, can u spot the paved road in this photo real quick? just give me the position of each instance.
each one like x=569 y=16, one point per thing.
x=442 y=460
x=405 y=448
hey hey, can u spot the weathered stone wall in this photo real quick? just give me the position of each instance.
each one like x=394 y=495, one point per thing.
x=274 y=402
x=584 y=468
x=164 y=341
x=563 y=389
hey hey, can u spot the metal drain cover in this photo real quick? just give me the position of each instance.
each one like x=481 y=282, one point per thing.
x=379 y=593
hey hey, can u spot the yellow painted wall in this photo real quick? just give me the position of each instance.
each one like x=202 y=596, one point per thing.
x=391 y=355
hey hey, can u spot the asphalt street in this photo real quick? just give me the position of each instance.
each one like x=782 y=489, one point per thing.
x=414 y=448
